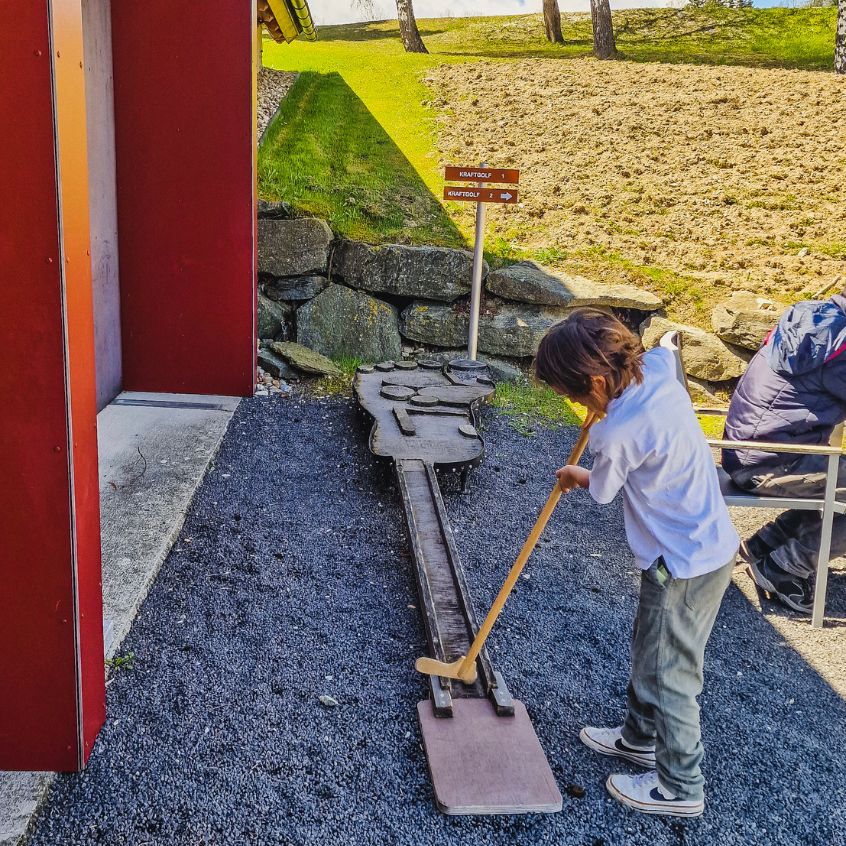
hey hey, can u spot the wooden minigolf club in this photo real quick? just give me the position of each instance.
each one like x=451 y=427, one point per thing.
x=464 y=669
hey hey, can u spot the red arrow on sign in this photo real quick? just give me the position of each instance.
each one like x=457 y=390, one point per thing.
x=482 y=174
x=481 y=195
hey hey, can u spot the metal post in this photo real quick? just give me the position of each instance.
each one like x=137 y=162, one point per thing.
x=476 y=290
x=825 y=541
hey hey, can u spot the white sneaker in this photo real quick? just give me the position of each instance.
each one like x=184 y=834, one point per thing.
x=609 y=741
x=644 y=793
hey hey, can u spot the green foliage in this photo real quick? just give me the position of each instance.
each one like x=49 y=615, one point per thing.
x=121 y=662
x=337 y=385
x=529 y=406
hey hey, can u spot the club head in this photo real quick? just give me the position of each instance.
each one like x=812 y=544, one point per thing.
x=431 y=667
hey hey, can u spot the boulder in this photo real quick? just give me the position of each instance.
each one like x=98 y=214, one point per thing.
x=705 y=356
x=530 y=282
x=745 y=319
x=341 y=322
x=504 y=328
x=432 y=273
x=293 y=247
x=435 y=323
x=304 y=359
x=273 y=318
x=275 y=365
x=709 y=393
x=295 y=288
x=269 y=210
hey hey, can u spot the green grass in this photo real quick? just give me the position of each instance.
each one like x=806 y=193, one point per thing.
x=355 y=140
x=528 y=406
x=328 y=156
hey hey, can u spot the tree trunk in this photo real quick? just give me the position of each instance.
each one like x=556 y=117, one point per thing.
x=840 y=39
x=552 y=21
x=604 y=46
x=411 y=39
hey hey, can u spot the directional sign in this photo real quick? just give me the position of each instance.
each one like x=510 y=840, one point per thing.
x=481 y=195
x=482 y=174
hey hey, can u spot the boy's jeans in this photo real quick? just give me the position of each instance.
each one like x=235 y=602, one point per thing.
x=673 y=622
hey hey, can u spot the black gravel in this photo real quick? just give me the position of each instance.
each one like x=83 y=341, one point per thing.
x=291 y=580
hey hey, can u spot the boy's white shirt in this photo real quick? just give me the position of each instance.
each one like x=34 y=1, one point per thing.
x=650 y=446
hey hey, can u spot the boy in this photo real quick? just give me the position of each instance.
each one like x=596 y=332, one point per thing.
x=650 y=446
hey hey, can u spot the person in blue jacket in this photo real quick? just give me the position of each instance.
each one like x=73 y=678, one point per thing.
x=794 y=391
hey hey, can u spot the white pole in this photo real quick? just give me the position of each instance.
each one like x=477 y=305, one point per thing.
x=476 y=290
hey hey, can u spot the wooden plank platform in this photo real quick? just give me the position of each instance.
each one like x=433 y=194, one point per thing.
x=484 y=764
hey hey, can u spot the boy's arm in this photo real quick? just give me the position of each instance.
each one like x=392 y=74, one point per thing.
x=572 y=476
x=609 y=474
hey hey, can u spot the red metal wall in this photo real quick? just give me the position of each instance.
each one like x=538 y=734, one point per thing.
x=51 y=640
x=186 y=194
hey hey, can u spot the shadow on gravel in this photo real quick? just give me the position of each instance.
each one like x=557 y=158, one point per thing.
x=291 y=580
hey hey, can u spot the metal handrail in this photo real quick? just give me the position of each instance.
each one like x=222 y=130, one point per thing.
x=765 y=446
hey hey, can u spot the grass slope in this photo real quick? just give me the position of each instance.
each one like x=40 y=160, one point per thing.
x=357 y=140
x=361 y=92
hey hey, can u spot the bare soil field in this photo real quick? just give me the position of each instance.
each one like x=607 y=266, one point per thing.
x=691 y=181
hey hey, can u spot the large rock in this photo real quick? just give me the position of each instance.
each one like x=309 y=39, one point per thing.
x=275 y=365
x=530 y=282
x=270 y=210
x=305 y=360
x=273 y=318
x=436 y=324
x=432 y=273
x=745 y=319
x=504 y=328
x=341 y=322
x=293 y=247
x=705 y=355
x=295 y=288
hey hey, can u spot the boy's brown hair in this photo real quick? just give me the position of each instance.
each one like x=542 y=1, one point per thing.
x=589 y=343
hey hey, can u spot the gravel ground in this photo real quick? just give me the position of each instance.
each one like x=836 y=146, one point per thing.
x=273 y=85
x=292 y=579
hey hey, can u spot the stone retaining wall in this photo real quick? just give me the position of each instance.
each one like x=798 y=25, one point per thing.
x=343 y=298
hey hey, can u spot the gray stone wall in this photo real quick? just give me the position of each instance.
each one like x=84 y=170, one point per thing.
x=342 y=298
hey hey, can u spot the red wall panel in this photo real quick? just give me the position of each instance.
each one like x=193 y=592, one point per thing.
x=51 y=645
x=186 y=195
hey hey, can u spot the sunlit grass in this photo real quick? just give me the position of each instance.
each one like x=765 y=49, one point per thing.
x=357 y=144
x=529 y=406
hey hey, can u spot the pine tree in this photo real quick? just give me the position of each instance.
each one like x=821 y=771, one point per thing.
x=604 y=46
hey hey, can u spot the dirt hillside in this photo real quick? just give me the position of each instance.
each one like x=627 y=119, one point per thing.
x=690 y=180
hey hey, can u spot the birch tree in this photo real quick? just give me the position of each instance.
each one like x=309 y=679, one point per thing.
x=552 y=21
x=840 y=39
x=411 y=39
x=604 y=46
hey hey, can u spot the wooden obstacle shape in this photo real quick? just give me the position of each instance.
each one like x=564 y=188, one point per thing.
x=394 y=392
x=484 y=756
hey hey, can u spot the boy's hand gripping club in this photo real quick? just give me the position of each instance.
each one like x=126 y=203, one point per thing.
x=464 y=669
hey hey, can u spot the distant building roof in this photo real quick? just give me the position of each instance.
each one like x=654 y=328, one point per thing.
x=286 y=20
